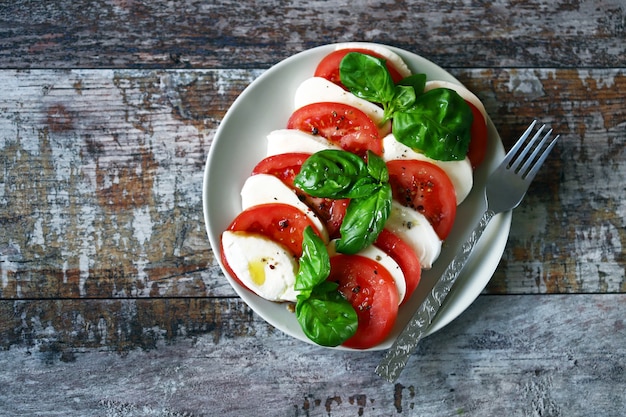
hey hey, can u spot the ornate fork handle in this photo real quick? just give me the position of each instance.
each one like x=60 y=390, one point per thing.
x=397 y=356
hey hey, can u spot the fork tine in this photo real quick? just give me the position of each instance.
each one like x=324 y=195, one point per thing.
x=526 y=149
x=533 y=171
x=513 y=152
x=531 y=159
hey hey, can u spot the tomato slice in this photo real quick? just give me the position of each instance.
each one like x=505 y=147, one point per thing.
x=426 y=188
x=329 y=65
x=340 y=123
x=285 y=167
x=404 y=256
x=371 y=290
x=332 y=212
x=282 y=223
x=478 y=143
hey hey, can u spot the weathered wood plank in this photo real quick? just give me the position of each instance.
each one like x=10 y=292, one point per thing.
x=575 y=211
x=101 y=182
x=235 y=34
x=101 y=176
x=58 y=328
x=111 y=302
x=533 y=355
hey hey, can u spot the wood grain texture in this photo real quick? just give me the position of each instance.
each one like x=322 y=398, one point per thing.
x=558 y=355
x=235 y=34
x=100 y=186
x=111 y=301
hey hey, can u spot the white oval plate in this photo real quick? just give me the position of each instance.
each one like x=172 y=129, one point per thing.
x=240 y=143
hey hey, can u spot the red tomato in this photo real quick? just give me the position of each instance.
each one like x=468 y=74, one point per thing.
x=371 y=290
x=330 y=211
x=426 y=188
x=285 y=167
x=329 y=66
x=282 y=223
x=344 y=125
x=478 y=143
x=404 y=256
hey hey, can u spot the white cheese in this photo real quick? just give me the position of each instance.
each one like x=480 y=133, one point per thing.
x=262 y=265
x=460 y=172
x=415 y=229
x=265 y=189
x=292 y=140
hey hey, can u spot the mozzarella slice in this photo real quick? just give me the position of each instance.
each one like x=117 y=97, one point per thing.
x=386 y=53
x=262 y=265
x=412 y=227
x=460 y=172
x=386 y=261
x=265 y=188
x=292 y=140
x=318 y=90
x=466 y=94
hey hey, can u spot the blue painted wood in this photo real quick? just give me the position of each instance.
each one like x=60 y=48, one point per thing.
x=525 y=355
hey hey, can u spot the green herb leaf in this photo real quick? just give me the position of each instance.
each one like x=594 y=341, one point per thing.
x=314 y=263
x=331 y=173
x=326 y=317
x=341 y=174
x=364 y=220
x=366 y=77
x=403 y=98
x=417 y=81
x=377 y=168
x=363 y=187
x=437 y=125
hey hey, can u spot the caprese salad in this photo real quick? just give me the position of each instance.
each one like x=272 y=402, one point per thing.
x=356 y=194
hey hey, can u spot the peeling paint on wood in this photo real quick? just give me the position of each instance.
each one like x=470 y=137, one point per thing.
x=569 y=234
x=514 y=356
x=111 y=301
x=234 y=34
x=102 y=184
x=57 y=329
x=101 y=177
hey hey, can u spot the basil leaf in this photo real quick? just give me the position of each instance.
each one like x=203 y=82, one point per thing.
x=366 y=77
x=363 y=187
x=326 y=317
x=314 y=262
x=325 y=287
x=403 y=98
x=330 y=173
x=376 y=167
x=438 y=125
x=364 y=220
x=417 y=81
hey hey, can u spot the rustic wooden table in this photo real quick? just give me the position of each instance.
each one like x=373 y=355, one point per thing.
x=111 y=300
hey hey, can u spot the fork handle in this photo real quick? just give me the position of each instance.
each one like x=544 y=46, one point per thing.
x=397 y=356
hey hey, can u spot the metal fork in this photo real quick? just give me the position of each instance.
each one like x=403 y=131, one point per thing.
x=505 y=189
